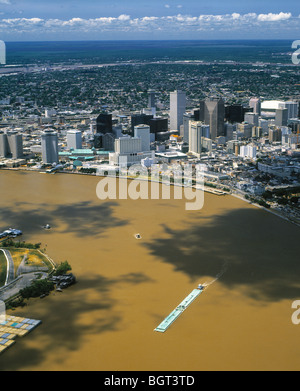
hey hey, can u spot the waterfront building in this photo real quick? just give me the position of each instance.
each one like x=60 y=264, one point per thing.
x=177 y=109
x=128 y=151
x=11 y=145
x=74 y=139
x=49 y=140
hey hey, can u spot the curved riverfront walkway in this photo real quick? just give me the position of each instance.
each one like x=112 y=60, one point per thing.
x=10 y=273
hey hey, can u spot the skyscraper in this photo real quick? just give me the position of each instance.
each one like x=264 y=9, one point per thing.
x=255 y=104
x=177 y=109
x=281 y=117
x=143 y=132
x=74 y=139
x=15 y=142
x=104 y=123
x=214 y=114
x=151 y=99
x=11 y=145
x=197 y=130
x=49 y=147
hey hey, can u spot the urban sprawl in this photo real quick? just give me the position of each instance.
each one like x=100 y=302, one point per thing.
x=246 y=137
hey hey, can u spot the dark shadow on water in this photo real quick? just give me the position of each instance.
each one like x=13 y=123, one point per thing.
x=69 y=317
x=259 y=251
x=82 y=218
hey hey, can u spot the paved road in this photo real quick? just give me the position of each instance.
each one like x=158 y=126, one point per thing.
x=10 y=274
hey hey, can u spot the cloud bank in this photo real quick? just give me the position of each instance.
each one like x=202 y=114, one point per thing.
x=168 y=24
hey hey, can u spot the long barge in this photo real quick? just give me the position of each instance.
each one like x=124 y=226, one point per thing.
x=166 y=323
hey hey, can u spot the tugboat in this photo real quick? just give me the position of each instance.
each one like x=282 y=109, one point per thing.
x=200 y=287
x=47 y=226
x=137 y=236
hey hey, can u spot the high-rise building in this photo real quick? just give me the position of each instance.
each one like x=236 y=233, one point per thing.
x=50 y=147
x=140 y=119
x=256 y=105
x=281 y=117
x=11 y=144
x=292 y=108
x=4 y=147
x=214 y=114
x=187 y=117
x=251 y=118
x=15 y=142
x=234 y=113
x=158 y=125
x=177 y=109
x=143 y=132
x=197 y=130
x=104 y=123
x=151 y=99
x=74 y=139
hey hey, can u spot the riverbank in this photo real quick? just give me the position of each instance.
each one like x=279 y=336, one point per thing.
x=127 y=287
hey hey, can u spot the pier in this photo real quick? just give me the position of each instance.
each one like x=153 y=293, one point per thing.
x=166 y=323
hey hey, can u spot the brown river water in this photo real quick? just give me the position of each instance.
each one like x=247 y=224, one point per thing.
x=126 y=287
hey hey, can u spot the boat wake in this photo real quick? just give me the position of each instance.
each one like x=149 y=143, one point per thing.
x=219 y=275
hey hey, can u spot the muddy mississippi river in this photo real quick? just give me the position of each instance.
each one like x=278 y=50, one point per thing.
x=126 y=287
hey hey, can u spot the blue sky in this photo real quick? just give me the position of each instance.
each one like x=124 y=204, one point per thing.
x=149 y=19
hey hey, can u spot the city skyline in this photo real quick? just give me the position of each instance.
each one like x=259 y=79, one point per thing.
x=74 y=20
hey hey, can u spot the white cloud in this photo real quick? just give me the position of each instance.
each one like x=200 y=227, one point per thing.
x=171 y=24
x=5 y=2
x=274 y=17
x=167 y=5
x=124 y=17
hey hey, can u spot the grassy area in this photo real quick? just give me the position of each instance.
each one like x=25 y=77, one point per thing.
x=34 y=257
x=3 y=268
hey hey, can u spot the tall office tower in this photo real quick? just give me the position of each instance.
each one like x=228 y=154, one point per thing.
x=214 y=114
x=11 y=145
x=15 y=142
x=74 y=139
x=151 y=99
x=158 y=125
x=281 y=117
x=251 y=118
x=177 y=109
x=104 y=123
x=197 y=131
x=140 y=119
x=234 y=113
x=143 y=132
x=228 y=131
x=4 y=147
x=256 y=105
x=187 y=117
x=292 y=108
x=196 y=114
x=49 y=147
x=201 y=110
